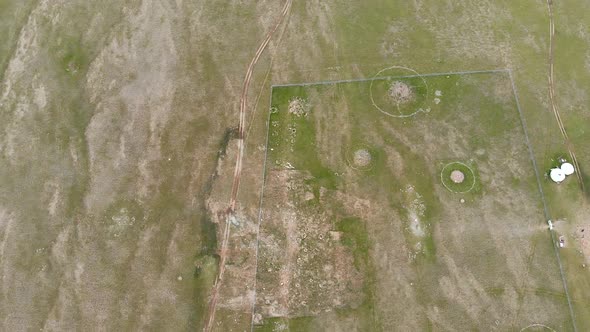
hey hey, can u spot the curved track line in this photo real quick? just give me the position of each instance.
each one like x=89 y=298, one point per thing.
x=266 y=78
x=538 y=325
x=554 y=108
x=230 y=213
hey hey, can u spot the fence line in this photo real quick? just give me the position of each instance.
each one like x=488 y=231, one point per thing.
x=542 y=194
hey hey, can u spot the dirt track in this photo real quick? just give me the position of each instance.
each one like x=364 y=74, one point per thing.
x=238 y=167
x=554 y=107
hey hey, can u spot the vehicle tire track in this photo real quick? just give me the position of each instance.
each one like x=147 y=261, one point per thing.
x=554 y=107
x=230 y=213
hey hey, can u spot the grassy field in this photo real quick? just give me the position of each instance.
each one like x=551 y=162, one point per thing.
x=430 y=254
x=118 y=147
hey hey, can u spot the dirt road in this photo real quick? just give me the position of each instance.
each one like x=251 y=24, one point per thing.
x=238 y=167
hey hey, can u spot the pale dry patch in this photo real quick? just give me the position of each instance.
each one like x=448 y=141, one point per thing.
x=470 y=34
x=415 y=207
x=134 y=72
x=355 y=205
x=463 y=289
x=312 y=26
x=26 y=50
x=396 y=39
x=54 y=190
x=532 y=41
x=6 y=222
x=303 y=268
x=395 y=160
x=40 y=97
x=579 y=231
x=325 y=135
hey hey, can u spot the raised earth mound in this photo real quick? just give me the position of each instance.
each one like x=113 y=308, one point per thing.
x=400 y=92
x=362 y=158
x=457 y=176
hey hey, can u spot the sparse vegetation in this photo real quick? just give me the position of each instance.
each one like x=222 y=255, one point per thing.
x=114 y=185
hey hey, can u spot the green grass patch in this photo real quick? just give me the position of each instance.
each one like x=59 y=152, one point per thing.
x=355 y=236
x=292 y=139
x=207 y=266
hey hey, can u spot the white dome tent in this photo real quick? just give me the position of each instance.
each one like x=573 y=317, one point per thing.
x=557 y=175
x=567 y=168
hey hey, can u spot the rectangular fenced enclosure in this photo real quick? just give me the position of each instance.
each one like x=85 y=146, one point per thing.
x=404 y=202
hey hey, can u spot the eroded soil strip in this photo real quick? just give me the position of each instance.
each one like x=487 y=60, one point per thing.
x=238 y=167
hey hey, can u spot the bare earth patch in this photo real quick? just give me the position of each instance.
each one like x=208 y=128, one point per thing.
x=303 y=267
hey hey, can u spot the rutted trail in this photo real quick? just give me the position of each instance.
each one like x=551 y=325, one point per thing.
x=554 y=107
x=230 y=213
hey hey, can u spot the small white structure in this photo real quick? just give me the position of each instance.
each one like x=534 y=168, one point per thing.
x=567 y=168
x=557 y=175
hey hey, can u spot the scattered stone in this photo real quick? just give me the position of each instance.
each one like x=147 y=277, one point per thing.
x=308 y=196
x=179 y=278
x=436 y=101
x=234 y=220
x=462 y=200
x=400 y=92
x=298 y=106
x=438 y=93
